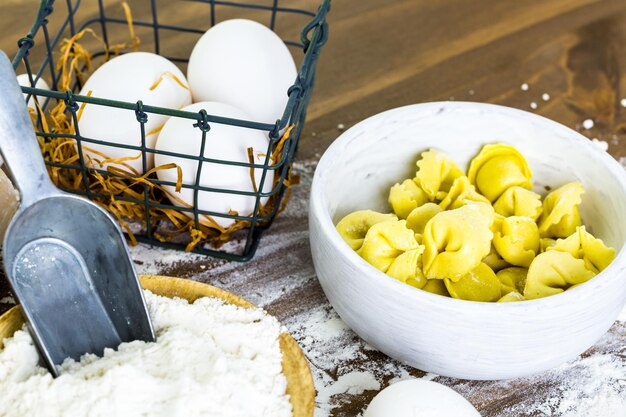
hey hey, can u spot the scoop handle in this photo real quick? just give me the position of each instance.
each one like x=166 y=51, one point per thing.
x=18 y=144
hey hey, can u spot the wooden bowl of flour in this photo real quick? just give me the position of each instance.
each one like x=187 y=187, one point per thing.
x=299 y=380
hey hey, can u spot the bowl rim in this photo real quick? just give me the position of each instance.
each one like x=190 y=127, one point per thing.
x=318 y=203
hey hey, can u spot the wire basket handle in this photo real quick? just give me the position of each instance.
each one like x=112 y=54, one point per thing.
x=24 y=44
x=318 y=20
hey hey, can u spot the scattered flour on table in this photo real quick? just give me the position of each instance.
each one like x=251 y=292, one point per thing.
x=344 y=366
x=338 y=360
x=353 y=383
x=589 y=387
x=604 y=145
x=150 y=259
x=210 y=359
x=7 y=300
x=602 y=392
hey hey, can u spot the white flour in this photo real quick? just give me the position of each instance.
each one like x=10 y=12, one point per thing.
x=594 y=386
x=7 y=300
x=210 y=359
x=604 y=145
x=352 y=383
x=588 y=123
x=601 y=393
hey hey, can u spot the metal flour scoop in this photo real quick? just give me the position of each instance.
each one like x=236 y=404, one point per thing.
x=65 y=257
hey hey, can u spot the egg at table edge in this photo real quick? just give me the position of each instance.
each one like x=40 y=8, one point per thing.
x=417 y=397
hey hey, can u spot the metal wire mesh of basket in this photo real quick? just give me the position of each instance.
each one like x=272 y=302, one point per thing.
x=36 y=56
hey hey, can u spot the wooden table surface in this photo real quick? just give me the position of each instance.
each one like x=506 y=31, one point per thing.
x=388 y=53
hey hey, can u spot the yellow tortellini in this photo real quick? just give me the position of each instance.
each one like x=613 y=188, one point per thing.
x=460 y=194
x=560 y=215
x=354 y=226
x=436 y=286
x=511 y=297
x=516 y=239
x=448 y=239
x=494 y=260
x=405 y=197
x=421 y=215
x=582 y=245
x=385 y=242
x=545 y=243
x=512 y=279
x=553 y=272
x=456 y=241
x=479 y=284
x=518 y=201
x=436 y=173
x=498 y=167
x=408 y=268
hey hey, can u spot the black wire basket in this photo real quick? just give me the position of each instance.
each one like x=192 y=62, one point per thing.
x=37 y=52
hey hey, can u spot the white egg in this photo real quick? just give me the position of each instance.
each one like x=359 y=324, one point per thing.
x=24 y=81
x=131 y=77
x=223 y=142
x=242 y=63
x=416 y=397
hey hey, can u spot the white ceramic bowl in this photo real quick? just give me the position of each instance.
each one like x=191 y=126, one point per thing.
x=457 y=338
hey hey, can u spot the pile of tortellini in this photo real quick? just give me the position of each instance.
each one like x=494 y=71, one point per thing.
x=484 y=236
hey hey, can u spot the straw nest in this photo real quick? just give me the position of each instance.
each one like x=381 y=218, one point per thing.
x=111 y=188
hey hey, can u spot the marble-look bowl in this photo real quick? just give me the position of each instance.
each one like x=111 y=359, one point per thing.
x=457 y=338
